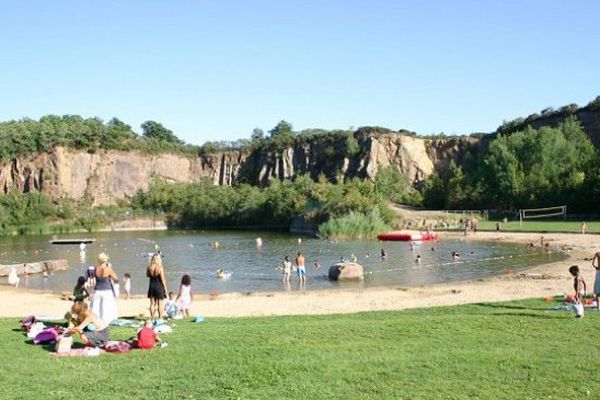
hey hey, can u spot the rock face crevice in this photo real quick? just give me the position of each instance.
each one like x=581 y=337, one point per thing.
x=108 y=176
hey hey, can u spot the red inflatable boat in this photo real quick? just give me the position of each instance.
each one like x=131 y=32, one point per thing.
x=406 y=237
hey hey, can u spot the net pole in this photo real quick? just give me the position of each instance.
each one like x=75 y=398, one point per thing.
x=520 y=218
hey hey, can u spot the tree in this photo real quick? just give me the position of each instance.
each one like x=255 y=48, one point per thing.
x=257 y=135
x=155 y=130
x=282 y=128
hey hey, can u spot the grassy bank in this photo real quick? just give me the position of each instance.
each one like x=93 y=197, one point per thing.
x=540 y=226
x=517 y=350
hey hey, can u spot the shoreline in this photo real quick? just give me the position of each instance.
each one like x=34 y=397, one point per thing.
x=539 y=281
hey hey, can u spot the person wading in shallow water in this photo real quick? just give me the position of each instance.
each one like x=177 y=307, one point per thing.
x=301 y=268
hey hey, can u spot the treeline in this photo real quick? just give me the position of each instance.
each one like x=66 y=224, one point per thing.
x=531 y=168
x=201 y=205
x=548 y=112
x=26 y=213
x=28 y=136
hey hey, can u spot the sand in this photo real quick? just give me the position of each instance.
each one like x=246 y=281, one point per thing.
x=541 y=281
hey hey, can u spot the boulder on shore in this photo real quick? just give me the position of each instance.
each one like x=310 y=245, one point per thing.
x=35 y=267
x=346 y=271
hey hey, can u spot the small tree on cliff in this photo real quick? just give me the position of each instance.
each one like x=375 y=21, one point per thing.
x=282 y=136
x=155 y=130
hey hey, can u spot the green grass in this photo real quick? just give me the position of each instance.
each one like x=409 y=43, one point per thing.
x=517 y=350
x=540 y=226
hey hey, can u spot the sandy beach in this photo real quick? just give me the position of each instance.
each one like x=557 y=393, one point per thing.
x=541 y=281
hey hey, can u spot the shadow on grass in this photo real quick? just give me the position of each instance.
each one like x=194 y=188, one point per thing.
x=530 y=315
x=510 y=306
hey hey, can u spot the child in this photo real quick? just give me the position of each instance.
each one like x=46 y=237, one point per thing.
x=287 y=269
x=580 y=289
x=185 y=295
x=146 y=337
x=80 y=293
x=171 y=306
x=127 y=285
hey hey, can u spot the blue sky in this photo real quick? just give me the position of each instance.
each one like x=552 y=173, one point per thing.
x=214 y=70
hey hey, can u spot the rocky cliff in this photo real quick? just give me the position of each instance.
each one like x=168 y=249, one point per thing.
x=108 y=176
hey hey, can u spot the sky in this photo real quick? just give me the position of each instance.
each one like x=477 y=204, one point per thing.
x=214 y=70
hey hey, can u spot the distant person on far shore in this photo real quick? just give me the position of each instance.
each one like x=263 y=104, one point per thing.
x=497 y=226
x=300 y=267
x=596 y=265
x=583 y=228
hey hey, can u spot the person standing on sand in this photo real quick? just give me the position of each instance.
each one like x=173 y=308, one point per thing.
x=103 y=302
x=583 y=228
x=596 y=265
x=301 y=268
x=157 y=289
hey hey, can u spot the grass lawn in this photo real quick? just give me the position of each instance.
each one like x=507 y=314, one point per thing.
x=516 y=350
x=540 y=226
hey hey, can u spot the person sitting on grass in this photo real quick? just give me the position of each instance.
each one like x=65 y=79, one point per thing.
x=146 y=337
x=171 y=308
x=91 y=329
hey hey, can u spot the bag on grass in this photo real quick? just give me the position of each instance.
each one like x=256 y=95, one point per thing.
x=63 y=344
x=46 y=336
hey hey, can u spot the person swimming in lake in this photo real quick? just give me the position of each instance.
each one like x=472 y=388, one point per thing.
x=418 y=259
x=383 y=255
x=455 y=255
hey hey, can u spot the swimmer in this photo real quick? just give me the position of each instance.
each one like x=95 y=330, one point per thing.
x=455 y=255
x=222 y=274
x=433 y=249
x=418 y=259
x=367 y=255
x=316 y=265
x=383 y=254
x=353 y=258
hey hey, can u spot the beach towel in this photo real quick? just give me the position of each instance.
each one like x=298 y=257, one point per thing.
x=199 y=319
x=163 y=329
x=118 y=347
x=80 y=352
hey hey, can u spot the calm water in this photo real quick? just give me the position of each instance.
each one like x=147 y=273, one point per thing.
x=256 y=269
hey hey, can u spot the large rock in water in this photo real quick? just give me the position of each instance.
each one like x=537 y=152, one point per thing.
x=35 y=267
x=346 y=271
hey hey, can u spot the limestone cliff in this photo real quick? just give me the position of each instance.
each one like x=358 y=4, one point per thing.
x=108 y=176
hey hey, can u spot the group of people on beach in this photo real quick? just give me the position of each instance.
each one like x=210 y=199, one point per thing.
x=92 y=321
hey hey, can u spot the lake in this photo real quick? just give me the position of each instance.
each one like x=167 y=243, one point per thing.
x=256 y=269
